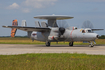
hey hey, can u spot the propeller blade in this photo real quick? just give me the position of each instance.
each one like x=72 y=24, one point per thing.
x=87 y=24
x=62 y=23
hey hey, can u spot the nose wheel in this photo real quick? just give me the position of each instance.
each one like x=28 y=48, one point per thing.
x=47 y=43
x=92 y=44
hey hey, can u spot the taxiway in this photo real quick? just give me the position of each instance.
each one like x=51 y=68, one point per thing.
x=11 y=49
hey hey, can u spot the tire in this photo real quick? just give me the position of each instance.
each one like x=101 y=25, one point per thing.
x=71 y=44
x=91 y=45
x=47 y=43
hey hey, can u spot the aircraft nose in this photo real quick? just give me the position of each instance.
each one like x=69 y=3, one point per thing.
x=97 y=36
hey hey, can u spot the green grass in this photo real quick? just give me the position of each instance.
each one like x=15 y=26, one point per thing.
x=48 y=61
x=29 y=41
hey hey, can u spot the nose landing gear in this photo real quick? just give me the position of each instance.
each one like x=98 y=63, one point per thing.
x=91 y=44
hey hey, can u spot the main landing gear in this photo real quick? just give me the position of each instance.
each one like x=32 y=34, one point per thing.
x=70 y=43
x=47 y=43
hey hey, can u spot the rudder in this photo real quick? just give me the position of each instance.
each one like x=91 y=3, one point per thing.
x=13 y=30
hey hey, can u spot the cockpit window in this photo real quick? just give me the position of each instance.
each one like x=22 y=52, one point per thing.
x=83 y=31
x=89 y=31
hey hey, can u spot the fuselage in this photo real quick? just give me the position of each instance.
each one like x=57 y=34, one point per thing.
x=69 y=35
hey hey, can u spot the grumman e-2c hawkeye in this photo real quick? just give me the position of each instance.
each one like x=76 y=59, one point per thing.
x=50 y=32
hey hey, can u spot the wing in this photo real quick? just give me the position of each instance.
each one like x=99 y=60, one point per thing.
x=97 y=29
x=39 y=29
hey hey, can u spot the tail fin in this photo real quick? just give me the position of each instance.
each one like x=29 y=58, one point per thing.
x=13 y=30
x=44 y=24
x=37 y=24
x=24 y=23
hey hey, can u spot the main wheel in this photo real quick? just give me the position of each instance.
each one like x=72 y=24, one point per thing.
x=71 y=44
x=47 y=43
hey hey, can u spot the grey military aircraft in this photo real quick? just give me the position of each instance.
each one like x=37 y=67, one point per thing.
x=50 y=32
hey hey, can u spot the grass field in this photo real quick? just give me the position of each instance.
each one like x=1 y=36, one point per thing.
x=63 y=61
x=48 y=61
x=29 y=41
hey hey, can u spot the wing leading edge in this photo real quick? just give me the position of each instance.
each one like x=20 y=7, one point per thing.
x=39 y=29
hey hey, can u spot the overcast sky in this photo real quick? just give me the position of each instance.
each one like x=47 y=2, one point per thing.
x=81 y=10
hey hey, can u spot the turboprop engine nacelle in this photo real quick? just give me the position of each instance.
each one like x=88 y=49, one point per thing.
x=34 y=35
x=54 y=34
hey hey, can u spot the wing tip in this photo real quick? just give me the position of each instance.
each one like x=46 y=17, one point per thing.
x=97 y=29
x=4 y=26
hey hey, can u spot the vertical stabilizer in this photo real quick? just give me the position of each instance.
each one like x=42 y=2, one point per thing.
x=13 y=30
x=23 y=23
x=44 y=24
x=37 y=24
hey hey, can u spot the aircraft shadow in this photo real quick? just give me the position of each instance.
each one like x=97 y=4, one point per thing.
x=63 y=46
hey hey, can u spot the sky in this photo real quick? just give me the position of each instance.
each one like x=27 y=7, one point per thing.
x=81 y=10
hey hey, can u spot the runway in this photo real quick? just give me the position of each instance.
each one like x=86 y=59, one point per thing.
x=12 y=49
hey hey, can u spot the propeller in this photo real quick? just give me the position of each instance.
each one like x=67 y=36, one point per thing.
x=87 y=24
x=61 y=30
x=62 y=24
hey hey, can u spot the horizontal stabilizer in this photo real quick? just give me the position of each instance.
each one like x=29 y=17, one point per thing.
x=39 y=29
x=97 y=29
